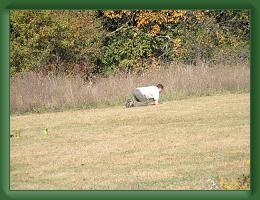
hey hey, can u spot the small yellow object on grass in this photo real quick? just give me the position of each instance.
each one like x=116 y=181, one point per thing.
x=46 y=132
x=17 y=133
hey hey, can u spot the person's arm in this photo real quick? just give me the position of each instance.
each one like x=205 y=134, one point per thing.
x=156 y=98
x=156 y=103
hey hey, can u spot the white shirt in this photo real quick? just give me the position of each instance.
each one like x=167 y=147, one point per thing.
x=150 y=92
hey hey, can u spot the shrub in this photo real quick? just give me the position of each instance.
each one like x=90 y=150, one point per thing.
x=58 y=41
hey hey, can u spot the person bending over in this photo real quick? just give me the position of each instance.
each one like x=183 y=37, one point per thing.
x=144 y=95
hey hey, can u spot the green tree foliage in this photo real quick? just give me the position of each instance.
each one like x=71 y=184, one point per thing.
x=58 y=41
x=128 y=53
x=125 y=41
x=174 y=36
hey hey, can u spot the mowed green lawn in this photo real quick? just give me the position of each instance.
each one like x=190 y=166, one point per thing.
x=176 y=145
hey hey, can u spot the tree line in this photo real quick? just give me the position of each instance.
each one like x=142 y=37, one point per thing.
x=105 y=42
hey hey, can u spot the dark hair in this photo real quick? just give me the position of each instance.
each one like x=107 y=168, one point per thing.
x=160 y=86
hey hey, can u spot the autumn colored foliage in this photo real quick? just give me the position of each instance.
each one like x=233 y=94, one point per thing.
x=125 y=41
x=54 y=41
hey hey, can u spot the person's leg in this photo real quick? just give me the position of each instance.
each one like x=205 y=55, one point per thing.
x=141 y=100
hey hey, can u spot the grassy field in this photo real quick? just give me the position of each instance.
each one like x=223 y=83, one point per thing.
x=178 y=145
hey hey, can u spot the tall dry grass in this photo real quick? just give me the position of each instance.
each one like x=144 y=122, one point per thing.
x=35 y=92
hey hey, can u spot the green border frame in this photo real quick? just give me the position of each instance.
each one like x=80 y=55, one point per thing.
x=6 y=5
